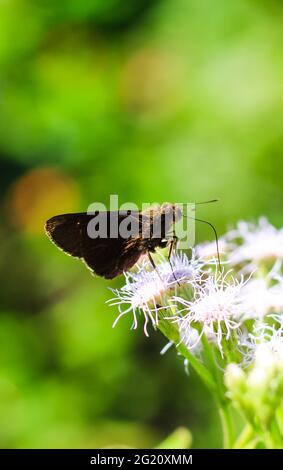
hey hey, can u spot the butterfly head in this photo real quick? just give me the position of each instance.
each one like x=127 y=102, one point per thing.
x=172 y=211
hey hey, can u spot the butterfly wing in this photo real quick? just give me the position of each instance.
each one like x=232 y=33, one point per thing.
x=67 y=232
x=107 y=257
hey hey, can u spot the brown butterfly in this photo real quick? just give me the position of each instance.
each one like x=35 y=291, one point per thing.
x=110 y=256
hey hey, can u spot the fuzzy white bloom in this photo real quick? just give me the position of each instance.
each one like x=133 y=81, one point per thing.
x=268 y=359
x=180 y=269
x=208 y=250
x=145 y=290
x=256 y=294
x=276 y=292
x=190 y=337
x=258 y=390
x=258 y=243
x=216 y=308
x=262 y=299
x=265 y=344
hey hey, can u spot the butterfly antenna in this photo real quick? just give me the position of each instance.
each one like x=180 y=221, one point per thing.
x=205 y=202
x=215 y=235
x=208 y=202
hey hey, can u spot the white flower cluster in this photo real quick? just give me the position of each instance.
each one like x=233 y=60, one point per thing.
x=148 y=291
x=225 y=321
x=257 y=391
x=225 y=304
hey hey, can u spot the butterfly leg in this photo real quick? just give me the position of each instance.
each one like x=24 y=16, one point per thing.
x=173 y=246
x=173 y=242
x=151 y=260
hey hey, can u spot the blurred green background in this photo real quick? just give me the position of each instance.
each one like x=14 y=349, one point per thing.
x=153 y=100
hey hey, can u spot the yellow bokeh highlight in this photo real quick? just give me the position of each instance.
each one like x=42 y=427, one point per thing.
x=38 y=195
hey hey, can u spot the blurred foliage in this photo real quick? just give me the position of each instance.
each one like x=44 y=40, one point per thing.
x=155 y=101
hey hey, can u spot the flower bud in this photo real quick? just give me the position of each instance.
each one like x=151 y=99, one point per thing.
x=234 y=377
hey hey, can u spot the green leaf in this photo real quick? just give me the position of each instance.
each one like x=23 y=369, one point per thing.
x=181 y=438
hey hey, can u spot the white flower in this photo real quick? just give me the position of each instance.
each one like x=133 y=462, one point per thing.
x=216 y=308
x=144 y=292
x=190 y=337
x=261 y=299
x=258 y=243
x=268 y=361
x=276 y=292
x=208 y=250
x=181 y=269
x=265 y=343
x=256 y=294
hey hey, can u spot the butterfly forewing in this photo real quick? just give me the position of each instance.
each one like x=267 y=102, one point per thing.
x=106 y=256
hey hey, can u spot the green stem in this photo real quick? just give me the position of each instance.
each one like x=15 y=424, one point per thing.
x=245 y=437
x=219 y=395
x=227 y=426
x=210 y=359
x=279 y=417
x=213 y=381
x=201 y=370
x=275 y=434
